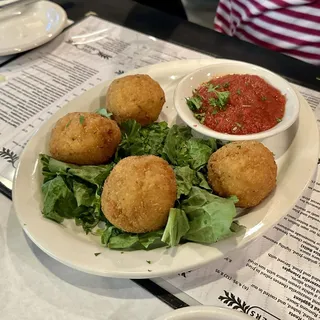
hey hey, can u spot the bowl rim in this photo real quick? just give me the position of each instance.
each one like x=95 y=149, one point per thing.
x=202 y=129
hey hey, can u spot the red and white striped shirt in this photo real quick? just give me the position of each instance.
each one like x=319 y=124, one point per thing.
x=288 y=26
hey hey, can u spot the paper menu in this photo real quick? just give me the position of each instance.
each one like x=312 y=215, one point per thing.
x=266 y=280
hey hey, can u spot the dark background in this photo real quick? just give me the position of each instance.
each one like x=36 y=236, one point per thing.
x=171 y=25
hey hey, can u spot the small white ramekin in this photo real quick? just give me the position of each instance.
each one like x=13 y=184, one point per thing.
x=196 y=78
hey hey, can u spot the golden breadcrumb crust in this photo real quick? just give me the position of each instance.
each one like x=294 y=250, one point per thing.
x=138 y=194
x=136 y=97
x=246 y=169
x=84 y=138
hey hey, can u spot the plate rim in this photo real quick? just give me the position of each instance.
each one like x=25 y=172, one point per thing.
x=145 y=274
x=44 y=38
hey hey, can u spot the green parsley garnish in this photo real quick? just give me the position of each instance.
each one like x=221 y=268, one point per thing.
x=122 y=252
x=200 y=117
x=148 y=261
x=211 y=88
x=264 y=98
x=222 y=97
x=103 y=112
x=215 y=111
x=194 y=103
x=213 y=102
x=226 y=85
x=68 y=124
x=97 y=253
x=81 y=119
x=221 y=100
x=239 y=92
x=278 y=119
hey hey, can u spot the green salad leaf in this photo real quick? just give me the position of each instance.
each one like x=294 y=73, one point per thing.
x=182 y=149
x=124 y=241
x=87 y=219
x=46 y=172
x=59 y=167
x=107 y=233
x=114 y=238
x=71 y=191
x=92 y=174
x=202 y=182
x=175 y=144
x=200 y=151
x=58 y=200
x=187 y=178
x=137 y=140
x=154 y=137
x=175 y=148
x=85 y=196
x=210 y=217
x=88 y=201
x=177 y=227
x=151 y=240
x=131 y=143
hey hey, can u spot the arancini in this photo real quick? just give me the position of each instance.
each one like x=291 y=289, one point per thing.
x=84 y=138
x=138 y=194
x=136 y=97
x=245 y=169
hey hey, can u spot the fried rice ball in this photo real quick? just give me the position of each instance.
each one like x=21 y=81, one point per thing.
x=246 y=169
x=136 y=97
x=84 y=138
x=138 y=194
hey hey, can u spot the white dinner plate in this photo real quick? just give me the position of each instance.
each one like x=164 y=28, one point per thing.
x=204 y=313
x=296 y=152
x=24 y=27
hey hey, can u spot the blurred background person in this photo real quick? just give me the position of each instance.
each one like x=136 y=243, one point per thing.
x=291 y=27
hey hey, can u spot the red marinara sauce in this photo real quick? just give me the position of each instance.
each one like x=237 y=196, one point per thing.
x=248 y=105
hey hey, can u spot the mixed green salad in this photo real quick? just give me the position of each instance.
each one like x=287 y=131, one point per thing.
x=73 y=192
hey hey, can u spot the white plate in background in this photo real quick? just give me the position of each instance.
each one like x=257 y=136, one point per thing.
x=24 y=27
x=296 y=151
x=204 y=313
